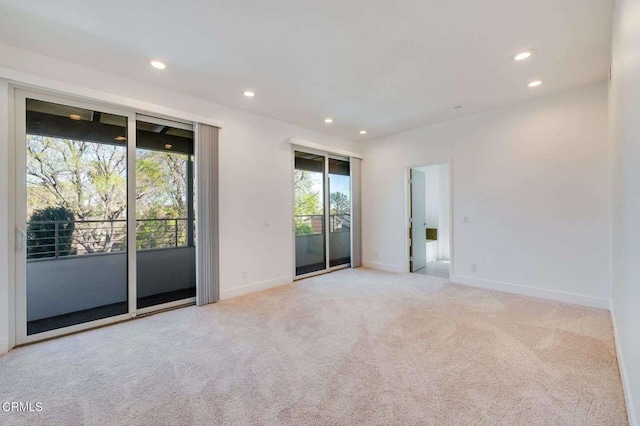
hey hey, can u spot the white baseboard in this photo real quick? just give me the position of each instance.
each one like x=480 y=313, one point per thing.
x=251 y=288
x=543 y=293
x=383 y=267
x=626 y=385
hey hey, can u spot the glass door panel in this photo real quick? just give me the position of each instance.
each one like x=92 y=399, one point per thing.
x=309 y=213
x=76 y=215
x=339 y=212
x=165 y=222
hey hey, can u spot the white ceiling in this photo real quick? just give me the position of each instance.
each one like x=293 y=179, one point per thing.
x=380 y=65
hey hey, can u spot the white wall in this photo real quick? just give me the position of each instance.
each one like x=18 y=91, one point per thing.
x=256 y=208
x=6 y=232
x=533 y=180
x=625 y=220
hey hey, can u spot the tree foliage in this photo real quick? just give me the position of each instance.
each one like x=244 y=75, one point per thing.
x=89 y=180
x=340 y=203
x=45 y=227
x=162 y=188
x=307 y=201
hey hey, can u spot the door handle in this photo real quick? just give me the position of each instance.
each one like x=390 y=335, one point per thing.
x=21 y=237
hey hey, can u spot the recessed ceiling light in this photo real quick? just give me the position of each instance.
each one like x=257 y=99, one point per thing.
x=328 y=120
x=249 y=94
x=168 y=146
x=363 y=132
x=157 y=64
x=522 y=55
x=121 y=138
x=534 y=83
x=75 y=117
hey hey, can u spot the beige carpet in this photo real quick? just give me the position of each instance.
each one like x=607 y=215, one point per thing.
x=351 y=347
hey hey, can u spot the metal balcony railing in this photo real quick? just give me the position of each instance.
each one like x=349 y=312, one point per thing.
x=314 y=224
x=54 y=239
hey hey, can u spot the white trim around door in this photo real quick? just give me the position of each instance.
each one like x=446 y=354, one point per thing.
x=407 y=216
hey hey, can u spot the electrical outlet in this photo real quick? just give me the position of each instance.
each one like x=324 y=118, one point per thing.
x=474 y=267
x=375 y=255
x=465 y=219
x=244 y=275
x=266 y=223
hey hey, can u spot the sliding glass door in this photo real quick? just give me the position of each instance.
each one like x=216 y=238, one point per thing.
x=165 y=246
x=309 y=213
x=322 y=206
x=340 y=212
x=74 y=213
x=104 y=214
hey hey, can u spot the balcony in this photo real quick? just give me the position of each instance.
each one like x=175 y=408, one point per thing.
x=310 y=240
x=80 y=267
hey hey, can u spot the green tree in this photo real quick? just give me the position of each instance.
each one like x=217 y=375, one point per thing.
x=50 y=230
x=307 y=201
x=88 y=179
x=161 y=184
x=161 y=192
x=85 y=178
x=340 y=203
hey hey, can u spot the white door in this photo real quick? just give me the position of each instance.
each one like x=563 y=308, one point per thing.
x=418 y=221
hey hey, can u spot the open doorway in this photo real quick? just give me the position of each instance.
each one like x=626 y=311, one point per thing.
x=430 y=220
